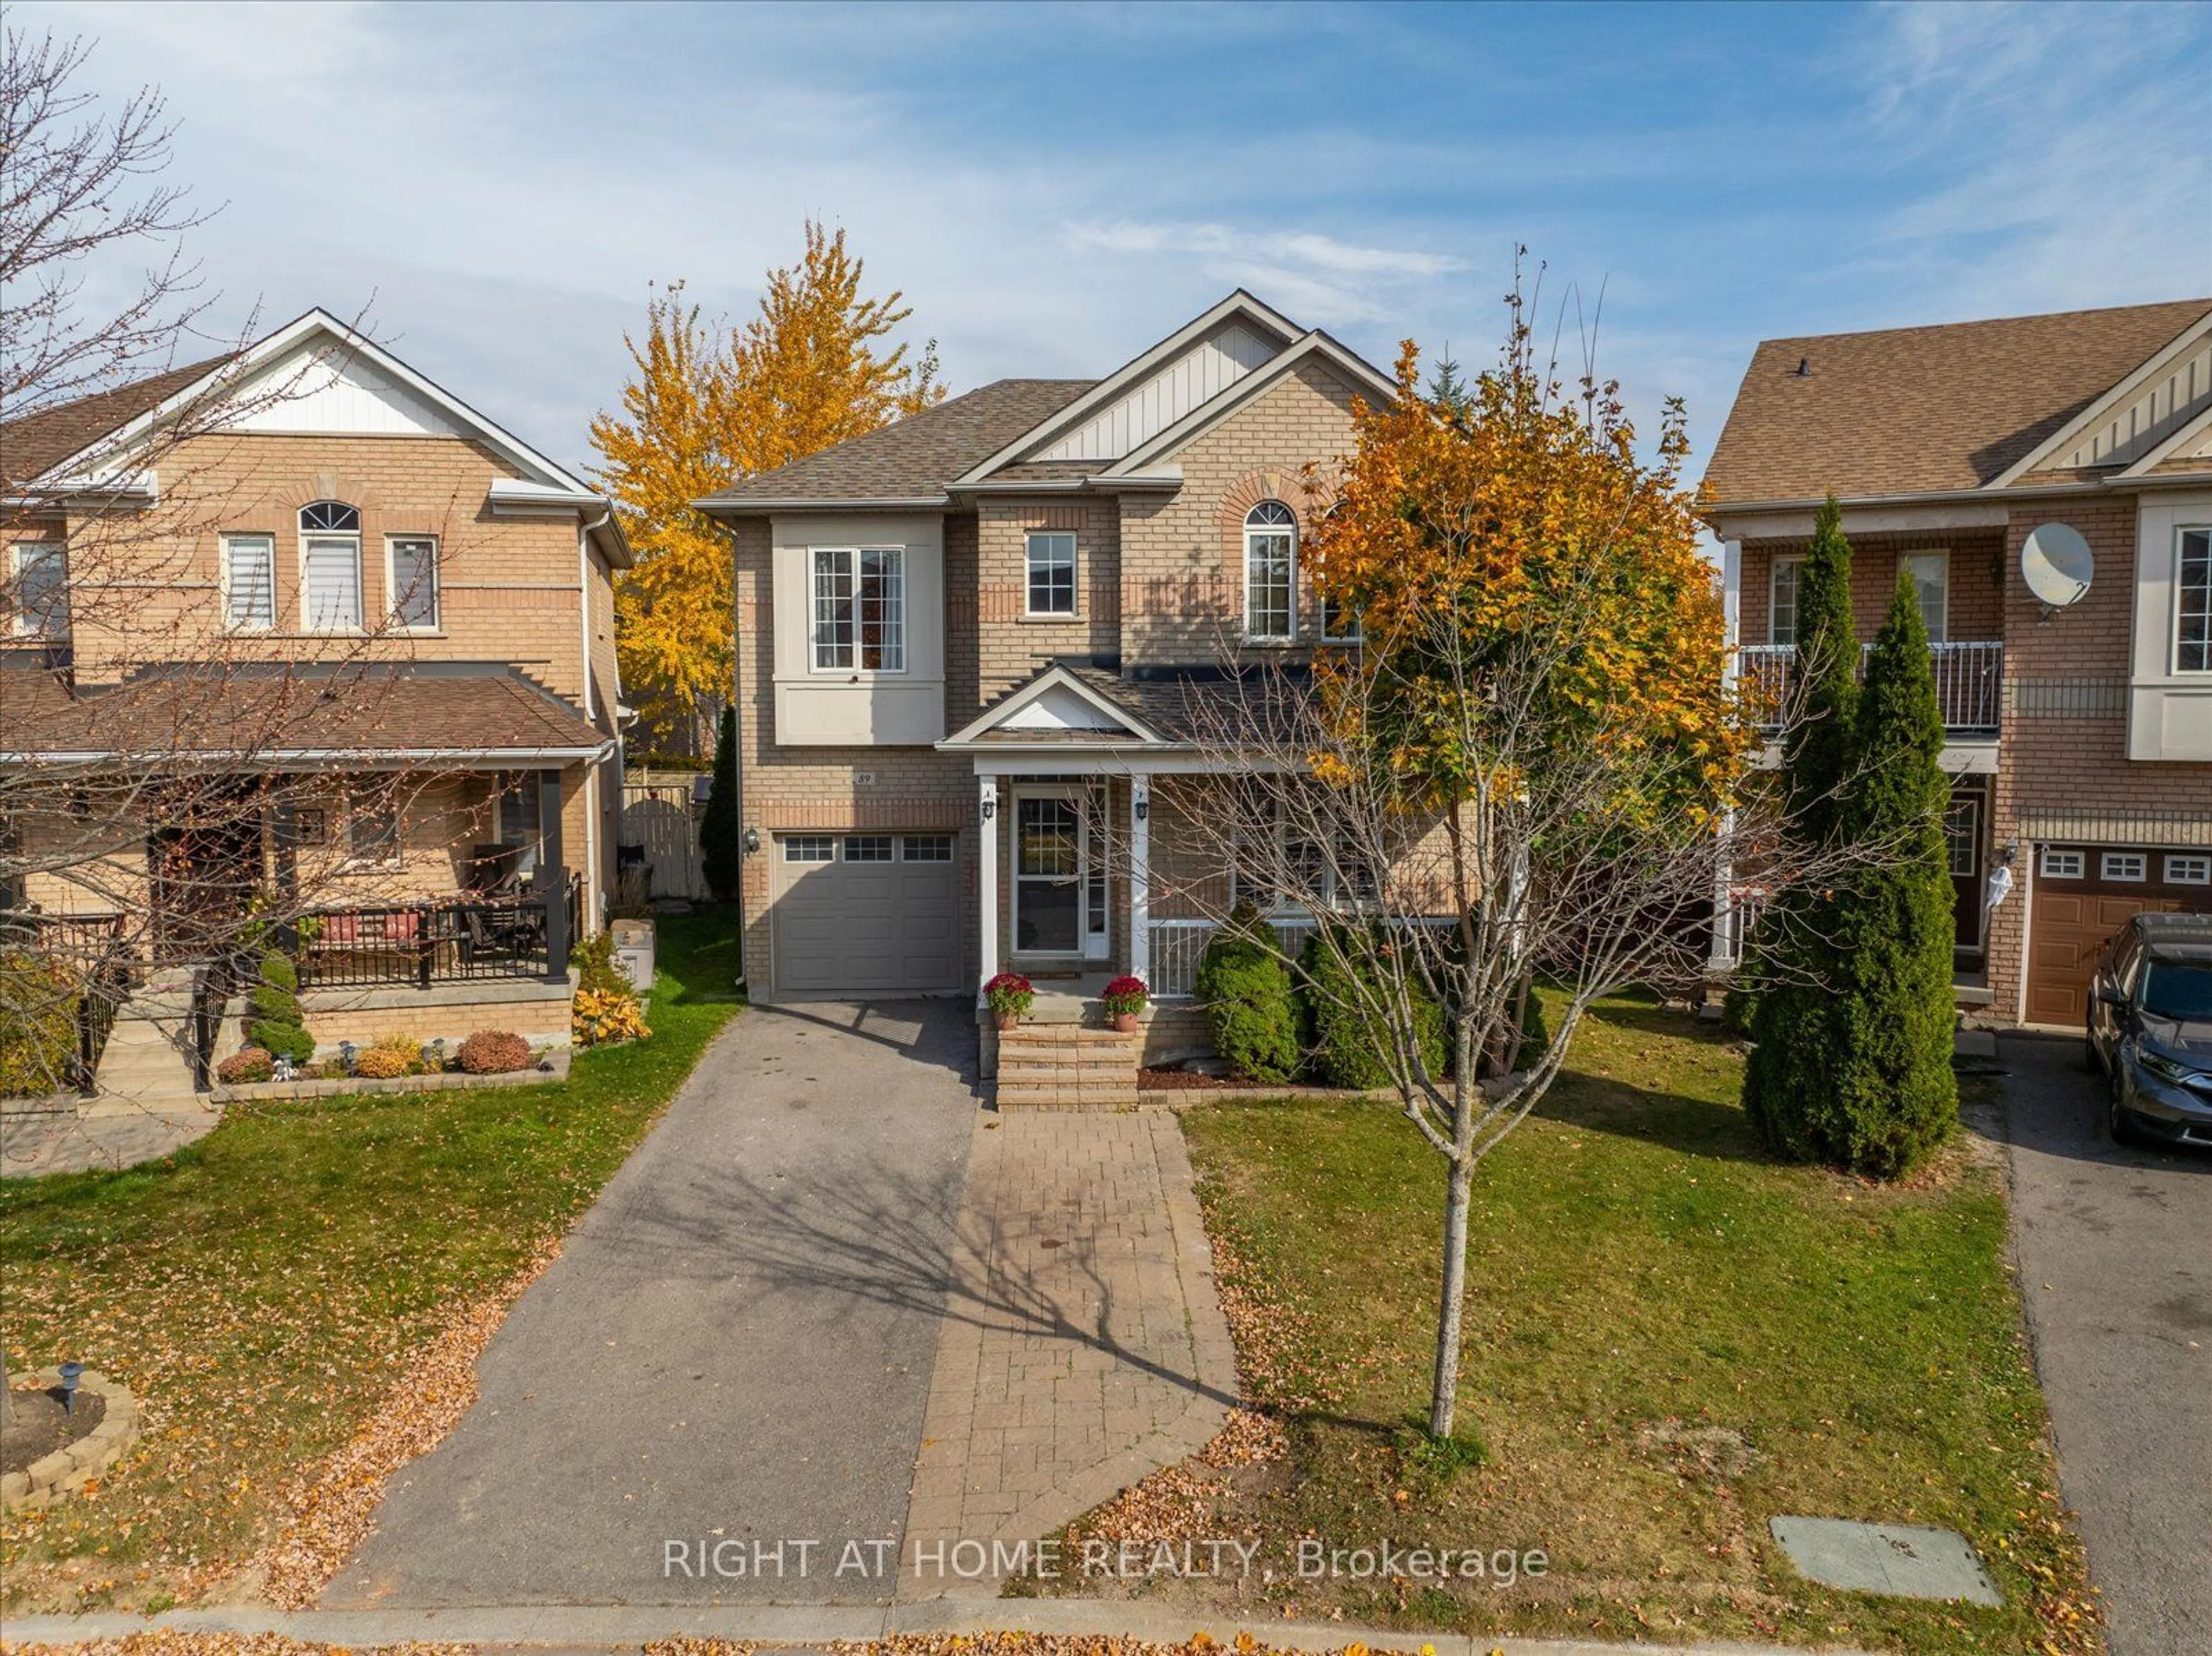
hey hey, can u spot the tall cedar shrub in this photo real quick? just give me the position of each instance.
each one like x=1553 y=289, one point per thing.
x=1251 y=1004
x=1894 y=1096
x=1341 y=1047
x=1793 y=960
x=277 y=1023
x=721 y=840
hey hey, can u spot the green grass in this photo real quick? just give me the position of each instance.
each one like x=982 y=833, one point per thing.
x=261 y=1290
x=1641 y=1271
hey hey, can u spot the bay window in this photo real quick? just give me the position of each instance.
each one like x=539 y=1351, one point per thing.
x=860 y=608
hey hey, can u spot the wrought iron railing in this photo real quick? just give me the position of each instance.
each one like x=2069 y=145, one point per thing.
x=461 y=940
x=1969 y=682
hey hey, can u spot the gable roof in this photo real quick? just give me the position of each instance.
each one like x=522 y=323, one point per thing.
x=910 y=460
x=34 y=443
x=1926 y=410
x=98 y=432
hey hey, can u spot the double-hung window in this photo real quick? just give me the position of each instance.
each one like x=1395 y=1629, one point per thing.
x=412 y=566
x=372 y=828
x=860 y=608
x=1271 y=572
x=1781 y=600
x=41 y=583
x=1050 y=560
x=2192 y=603
x=249 y=583
x=330 y=567
x=1930 y=574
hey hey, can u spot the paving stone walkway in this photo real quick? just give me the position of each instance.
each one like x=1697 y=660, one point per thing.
x=71 y=1142
x=1082 y=1343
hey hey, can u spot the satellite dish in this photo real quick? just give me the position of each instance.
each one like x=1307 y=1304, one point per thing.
x=2056 y=564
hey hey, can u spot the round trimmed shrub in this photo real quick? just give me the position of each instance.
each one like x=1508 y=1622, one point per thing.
x=246 y=1066
x=1251 y=1004
x=1342 y=1048
x=379 y=1064
x=494 y=1051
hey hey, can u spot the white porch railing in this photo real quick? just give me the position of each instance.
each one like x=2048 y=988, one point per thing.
x=1969 y=680
x=1177 y=946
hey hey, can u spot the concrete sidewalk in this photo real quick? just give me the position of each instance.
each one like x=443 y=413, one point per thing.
x=628 y=1627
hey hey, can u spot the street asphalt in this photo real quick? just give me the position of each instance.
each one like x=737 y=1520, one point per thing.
x=733 y=1351
x=2115 y=1250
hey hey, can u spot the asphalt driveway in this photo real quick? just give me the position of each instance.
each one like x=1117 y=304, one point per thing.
x=734 y=1350
x=2116 y=1266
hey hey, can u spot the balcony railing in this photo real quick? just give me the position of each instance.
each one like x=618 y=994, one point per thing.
x=463 y=940
x=1969 y=682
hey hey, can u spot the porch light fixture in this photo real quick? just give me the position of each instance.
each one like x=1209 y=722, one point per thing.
x=1143 y=806
x=752 y=842
x=990 y=809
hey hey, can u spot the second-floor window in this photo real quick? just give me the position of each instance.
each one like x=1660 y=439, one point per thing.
x=414 y=589
x=39 y=580
x=2192 y=603
x=330 y=567
x=860 y=608
x=1930 y=574
x=1271 y=572
x=249 y=583
x=1050 y=560
x=1781 y=600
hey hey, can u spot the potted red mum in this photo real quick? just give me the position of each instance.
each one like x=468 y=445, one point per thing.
x=1008 y=995
x=1125 y=999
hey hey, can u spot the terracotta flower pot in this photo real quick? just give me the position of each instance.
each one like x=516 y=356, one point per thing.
x=1126 y=1022
x=1006 y=1020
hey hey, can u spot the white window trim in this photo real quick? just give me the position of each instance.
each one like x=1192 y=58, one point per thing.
x=1290 y=632
x=2181 y=532
x=308 y=623
x=2203 y=860
x=2105 y=860
x=1942 y=553
x=20 y=552
x=1774 y=568
x=437 y=622
x=2052 y=853
x=224 y=544
x=1075 y=611
x=813 y=617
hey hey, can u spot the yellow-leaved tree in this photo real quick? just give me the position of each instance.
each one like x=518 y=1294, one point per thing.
x=703 y=408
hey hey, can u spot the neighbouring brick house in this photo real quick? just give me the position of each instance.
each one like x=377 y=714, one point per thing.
x=2079 y=732
x=334 y=572
x=968 y=649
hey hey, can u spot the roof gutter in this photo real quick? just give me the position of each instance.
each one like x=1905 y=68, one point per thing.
x=379 y=758
x=2118 y=483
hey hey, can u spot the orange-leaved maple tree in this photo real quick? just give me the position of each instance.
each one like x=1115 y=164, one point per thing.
x=703 y=408
x=1530 y=765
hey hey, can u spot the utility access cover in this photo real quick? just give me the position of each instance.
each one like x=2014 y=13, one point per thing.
x=1905 y=1561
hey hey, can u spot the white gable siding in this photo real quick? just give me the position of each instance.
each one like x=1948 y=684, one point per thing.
x=2154 y=413
x=1060 y=708
x=1209 y=367
x=320 y=390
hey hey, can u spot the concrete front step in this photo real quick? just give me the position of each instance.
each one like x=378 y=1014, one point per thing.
x=1055 y=1098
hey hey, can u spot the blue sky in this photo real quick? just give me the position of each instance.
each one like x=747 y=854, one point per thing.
x=1054 y=188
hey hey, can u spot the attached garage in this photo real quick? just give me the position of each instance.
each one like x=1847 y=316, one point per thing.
x=865 y=914
x=2083 y=894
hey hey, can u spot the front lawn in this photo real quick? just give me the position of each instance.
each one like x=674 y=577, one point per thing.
x=1670 y=1339
x=264 y=1290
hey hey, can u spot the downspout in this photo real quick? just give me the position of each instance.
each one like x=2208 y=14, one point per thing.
x=738 y=722
x=593 y=882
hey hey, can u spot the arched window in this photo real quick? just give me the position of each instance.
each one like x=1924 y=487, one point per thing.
x=330 y=567
x=1271 y=572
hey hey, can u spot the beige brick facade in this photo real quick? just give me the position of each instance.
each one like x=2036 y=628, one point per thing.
x=1159 y=581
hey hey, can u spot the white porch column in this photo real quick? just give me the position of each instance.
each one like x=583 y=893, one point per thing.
x=1140 y=877
x=987 y=876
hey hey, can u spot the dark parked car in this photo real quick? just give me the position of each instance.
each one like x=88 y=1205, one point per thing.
x=2150 y=1028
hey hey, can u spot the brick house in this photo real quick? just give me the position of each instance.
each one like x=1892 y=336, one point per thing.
x=333 y=570
x=2080 y=722
x=969 y=648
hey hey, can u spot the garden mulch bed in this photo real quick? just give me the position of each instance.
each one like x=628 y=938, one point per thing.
x=38 y=1425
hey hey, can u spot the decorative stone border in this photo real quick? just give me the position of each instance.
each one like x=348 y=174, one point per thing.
x=338 y=1086
x=69 y=1467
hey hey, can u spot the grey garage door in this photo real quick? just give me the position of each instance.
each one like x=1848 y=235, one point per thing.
x=865 y=914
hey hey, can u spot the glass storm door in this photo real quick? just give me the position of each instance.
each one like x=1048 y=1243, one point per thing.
x=1048 y=875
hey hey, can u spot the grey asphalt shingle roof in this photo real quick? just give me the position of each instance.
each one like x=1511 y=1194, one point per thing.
x=916 y=456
